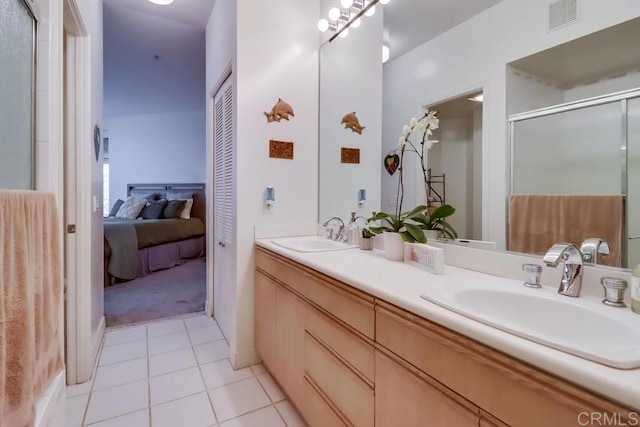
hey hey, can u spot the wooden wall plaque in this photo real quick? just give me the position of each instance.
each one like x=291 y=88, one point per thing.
x=349 y=155
x=280 y=149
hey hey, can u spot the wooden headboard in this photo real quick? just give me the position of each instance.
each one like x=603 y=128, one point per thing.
x=199 y=209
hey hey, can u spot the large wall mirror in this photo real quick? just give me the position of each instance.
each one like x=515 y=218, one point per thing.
x=17 y=68
x=549 y=152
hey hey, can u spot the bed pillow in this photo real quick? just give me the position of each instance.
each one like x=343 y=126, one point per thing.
x=186 y=211
x=145 y=194
x=131 y=208
x=173 y=209
x=116 y=207
x=154 y=209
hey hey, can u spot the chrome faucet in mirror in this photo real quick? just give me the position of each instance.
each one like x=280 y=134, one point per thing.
x=593 y=246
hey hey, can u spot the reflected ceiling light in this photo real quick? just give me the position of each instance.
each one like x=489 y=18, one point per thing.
x=477 y=98
x=334 y=14
x=385 y=53
x=349 y=16
x=161 y=2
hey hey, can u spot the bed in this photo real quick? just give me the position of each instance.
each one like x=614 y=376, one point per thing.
x=137 y=247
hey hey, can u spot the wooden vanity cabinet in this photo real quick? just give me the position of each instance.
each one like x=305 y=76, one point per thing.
x=345 y=358
x=315 y=336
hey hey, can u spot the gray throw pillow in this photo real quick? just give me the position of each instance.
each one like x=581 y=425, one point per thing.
x=173 y=209
x=154 y=209
x=116 y=207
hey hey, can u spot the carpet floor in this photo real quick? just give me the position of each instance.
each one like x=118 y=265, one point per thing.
x=166 y=293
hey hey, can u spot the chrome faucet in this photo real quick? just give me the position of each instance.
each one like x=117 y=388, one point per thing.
x=593 y=246
x=571 y=281
x=330 y=235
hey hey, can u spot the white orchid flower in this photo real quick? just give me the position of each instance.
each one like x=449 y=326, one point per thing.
x=428 y=131
x=420 y=127
x=413 y=122
x=406 y=130
x=429 y=143
x=402 y=141
x=431 y=120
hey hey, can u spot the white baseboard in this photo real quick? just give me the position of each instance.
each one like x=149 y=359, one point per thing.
x=97 y=342
x=50 y=408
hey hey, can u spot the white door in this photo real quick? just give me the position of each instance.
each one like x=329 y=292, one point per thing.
x=224 y=208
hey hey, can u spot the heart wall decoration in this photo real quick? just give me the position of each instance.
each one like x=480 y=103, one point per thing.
x=391 y=163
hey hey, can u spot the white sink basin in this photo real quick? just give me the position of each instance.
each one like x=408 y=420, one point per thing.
x=311 y=244
x=577 y=326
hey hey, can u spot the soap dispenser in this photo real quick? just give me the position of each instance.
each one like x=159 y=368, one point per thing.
x=353 y=231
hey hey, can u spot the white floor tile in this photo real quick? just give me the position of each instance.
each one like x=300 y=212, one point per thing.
x=123 y=335
x=192 y=411
x=74 y=408
x=211 y=352
x=272 y=389
x=121 y=352
x=199 y=322
x=134 y=419
x=171 y=361
x=265 y=417
x=120 y=373
x=116 y=401
x=175 y=385
x=169 y=342
x=165 y=327
x=78 y=389
x=206 y=334
x=289 y=414
x=238 y=398
x=258 y=369
x=221 y=373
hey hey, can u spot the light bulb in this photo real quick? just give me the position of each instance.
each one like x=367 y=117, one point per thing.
x=346 y=3
x=161 y=2
x=334 y=14
x=356 y=23
x=345 y=33
x=323 y=25
x=385 y=53
x=370 y=11
x=384 y=1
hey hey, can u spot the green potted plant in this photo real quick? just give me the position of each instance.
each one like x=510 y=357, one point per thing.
x=366 y=241
x=436 y=221
x=397 y=229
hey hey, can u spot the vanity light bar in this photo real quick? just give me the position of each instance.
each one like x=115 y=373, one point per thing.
x=340 y=20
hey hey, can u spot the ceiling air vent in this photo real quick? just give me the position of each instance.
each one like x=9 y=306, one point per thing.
x=562 y=12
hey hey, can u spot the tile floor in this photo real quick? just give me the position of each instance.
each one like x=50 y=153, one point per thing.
x=171 y=373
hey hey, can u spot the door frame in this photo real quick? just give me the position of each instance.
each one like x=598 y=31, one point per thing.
x=80 y=351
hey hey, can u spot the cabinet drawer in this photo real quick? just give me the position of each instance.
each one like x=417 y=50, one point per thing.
x=346 y=390
x=316 y=411
x=356 y=351
x=353 y=307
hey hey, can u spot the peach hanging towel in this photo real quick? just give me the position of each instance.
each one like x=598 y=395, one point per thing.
x=536 y=222
x=31 y=353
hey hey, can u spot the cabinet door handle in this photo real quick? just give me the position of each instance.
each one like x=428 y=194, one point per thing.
x=221 y=244
x=634 y=237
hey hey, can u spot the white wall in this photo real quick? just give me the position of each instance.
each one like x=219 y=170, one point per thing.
x=162 y=147
x=349 y=68
x=277 y=57
x=473 y=55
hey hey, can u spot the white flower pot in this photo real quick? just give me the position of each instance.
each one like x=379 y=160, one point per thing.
x=393 y=246
x=432 y=234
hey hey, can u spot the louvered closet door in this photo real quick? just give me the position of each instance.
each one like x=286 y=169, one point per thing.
x=224 y=235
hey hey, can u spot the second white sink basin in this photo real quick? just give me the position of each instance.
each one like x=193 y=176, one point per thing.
x=576 y=326
x=311 y=244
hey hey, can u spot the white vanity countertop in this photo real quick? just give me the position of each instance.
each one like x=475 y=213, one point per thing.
x=402 y=284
